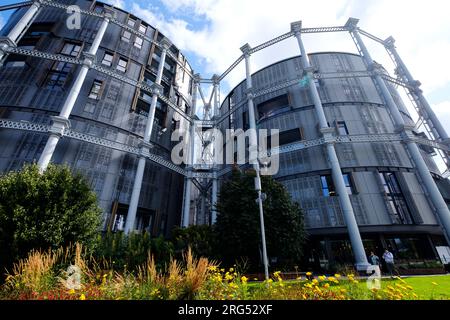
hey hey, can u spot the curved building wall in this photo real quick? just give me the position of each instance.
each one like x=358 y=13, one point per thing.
x=386 y=193
x=33 y=89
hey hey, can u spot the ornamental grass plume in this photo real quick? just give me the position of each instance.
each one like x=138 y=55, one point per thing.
x=35 y=273
x=195 y=275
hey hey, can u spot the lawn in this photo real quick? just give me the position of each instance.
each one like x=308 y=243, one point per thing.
x=437 y=287
x=426 y=288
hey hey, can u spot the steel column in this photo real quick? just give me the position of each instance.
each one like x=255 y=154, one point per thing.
x=253 y=151
x=338 y=179
x=427 y=179
x=214 y=199
x=63 y=117
x=14 y=35
x=188 y=180
x=145 y=147
x=390 y=46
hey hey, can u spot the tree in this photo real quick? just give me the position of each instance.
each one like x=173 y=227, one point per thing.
x=48 y=210
x=238 y=224
x=200 y=239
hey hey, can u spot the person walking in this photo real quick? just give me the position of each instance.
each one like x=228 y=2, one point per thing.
x=389 y=259
x=374 y=259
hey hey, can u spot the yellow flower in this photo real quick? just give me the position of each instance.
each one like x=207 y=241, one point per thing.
x=231 y=269
x=326 y=286
x=82 y=297
x=309 y=274
x=299 y=278
x=337 y=276
x=322 y=278
x=244 y=279
x=410 y=288
x=434 y=284
x=228 y=276
x=72 y=291
x=315 y=281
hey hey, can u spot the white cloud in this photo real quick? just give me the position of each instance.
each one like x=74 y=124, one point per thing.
x=421 y=29
x=442 y=109
x=116 y=3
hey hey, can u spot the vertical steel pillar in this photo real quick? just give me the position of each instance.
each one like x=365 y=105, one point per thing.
x=346 y=205
x=61 y=122
x=417 y=92
x=214 y=199
x=216 y=104
x=188 y=180
x=253 y=151
x=145 y=145
x=13 y=36
x=427 y=179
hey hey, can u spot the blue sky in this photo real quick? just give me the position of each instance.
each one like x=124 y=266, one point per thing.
x=210 y=33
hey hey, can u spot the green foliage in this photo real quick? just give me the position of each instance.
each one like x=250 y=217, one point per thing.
x=200 y=239
x=129 y=252
x=238 y=223
x=41 y=211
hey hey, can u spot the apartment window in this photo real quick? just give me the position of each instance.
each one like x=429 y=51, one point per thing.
x=71 y=49
x=273 y=107
x=122 y=65
x=396 y=199
x=57 y=75
x=107 y=59
x=328 y=188
x=143 y=29
x=15 y=64
x=126 y=36
x=18 y=61
x=95 y=89
x=138 y=42
x=149 y=78
x=349 y=184
x=59 y=71
x=342 y=128
x=39 y=29
x=291 y=136
x=131 y=22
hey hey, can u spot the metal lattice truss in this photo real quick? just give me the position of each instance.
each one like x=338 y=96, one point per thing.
x=9 y=47
x=72 y=134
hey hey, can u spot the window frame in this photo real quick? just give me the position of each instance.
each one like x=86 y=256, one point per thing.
x=124 y=38
x=110 y=62
x=143 y=26
x=339 y=127
x=119 y=67
x=138 y=45
x=95 y=94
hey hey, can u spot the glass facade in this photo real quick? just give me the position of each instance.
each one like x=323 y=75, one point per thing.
x=384 y=188
x=34 y=89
